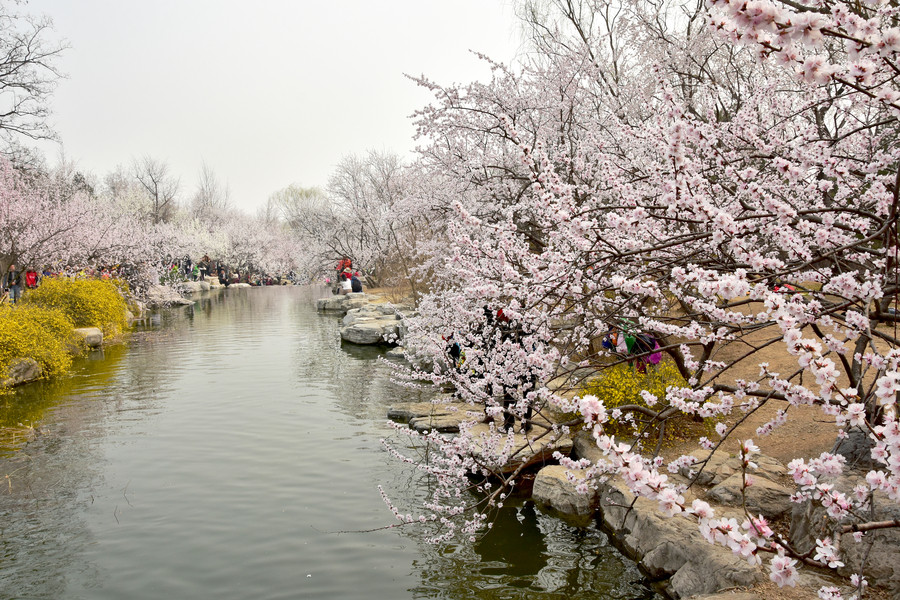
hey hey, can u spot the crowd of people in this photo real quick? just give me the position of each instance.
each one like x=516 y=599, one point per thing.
x=185 y=269
x=174 y=270
x=15 y=280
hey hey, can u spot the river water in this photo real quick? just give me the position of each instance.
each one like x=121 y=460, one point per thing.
x=231 y=450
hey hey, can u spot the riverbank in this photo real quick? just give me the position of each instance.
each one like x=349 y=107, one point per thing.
x=50 y=324
x=368 y=318
x=672 y=551
x=64 y=318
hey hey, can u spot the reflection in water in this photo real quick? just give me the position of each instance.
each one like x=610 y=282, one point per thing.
x=525 y=555
x=217 y=455
x=23 y=408
x=514 y=545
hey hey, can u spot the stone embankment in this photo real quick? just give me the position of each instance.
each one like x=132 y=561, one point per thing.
x=22 y=370
x=367 y=322
x=672 y=552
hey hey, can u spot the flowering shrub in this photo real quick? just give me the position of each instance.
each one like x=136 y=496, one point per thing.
x=622 y=384
x=39 y=332
x=86 y=302
x=624 y=391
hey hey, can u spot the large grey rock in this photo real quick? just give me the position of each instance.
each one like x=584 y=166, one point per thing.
x=369 y=313
x=709 y=470
x=584 y=446
x=397 y=353
x=444 y=423
x=92 y=336
x=442 y=415
x=372 y=332
x=672 y=547
x=879 y=550
x=21 y=370
x=857 y=449
x=341 y=303
x=713 y=470
x=371 y=324
x=553 y=489
x=192 y=287
x=763 y=497
x=405 y=411
x=159 y=296
x=528 y=448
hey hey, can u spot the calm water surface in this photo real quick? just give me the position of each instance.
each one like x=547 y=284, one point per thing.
x=231 y=451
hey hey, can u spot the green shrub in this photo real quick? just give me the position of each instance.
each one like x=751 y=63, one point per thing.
x=42 y=333
x=87 y=302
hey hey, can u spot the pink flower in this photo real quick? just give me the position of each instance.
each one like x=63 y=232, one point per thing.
x=782 y=571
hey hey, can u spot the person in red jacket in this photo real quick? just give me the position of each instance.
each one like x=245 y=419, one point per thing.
x=31 y=279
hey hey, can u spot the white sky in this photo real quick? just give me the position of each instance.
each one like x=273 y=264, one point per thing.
x=267 y=93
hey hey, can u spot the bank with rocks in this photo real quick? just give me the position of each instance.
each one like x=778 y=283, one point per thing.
x=22 y=370
x=366 y=319
x=670 y=551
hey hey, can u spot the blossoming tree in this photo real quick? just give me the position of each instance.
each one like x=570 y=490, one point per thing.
x=723 y=177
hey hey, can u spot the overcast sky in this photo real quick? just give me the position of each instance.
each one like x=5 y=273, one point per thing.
x=267 y=93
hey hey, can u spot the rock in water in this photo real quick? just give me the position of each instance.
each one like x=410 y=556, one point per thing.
x=92 y=336
x=21 y=370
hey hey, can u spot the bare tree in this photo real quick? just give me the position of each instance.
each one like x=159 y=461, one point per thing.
x=116 y=184
x=309 y=214
x=27 y=76
x=364 y=192
x=212 y=199
x=160 y=186
x=304 y=209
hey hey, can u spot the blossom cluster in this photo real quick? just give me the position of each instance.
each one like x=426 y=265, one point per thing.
x=746 y=204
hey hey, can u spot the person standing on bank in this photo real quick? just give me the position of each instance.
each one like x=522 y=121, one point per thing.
x=12 y=281
x=204 y=267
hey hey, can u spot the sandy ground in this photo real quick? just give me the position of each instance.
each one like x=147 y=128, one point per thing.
x=806 y=434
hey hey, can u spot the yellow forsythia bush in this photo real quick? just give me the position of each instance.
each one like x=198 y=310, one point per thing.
x=42 y=333
x=622 y=384
x=87 y=302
